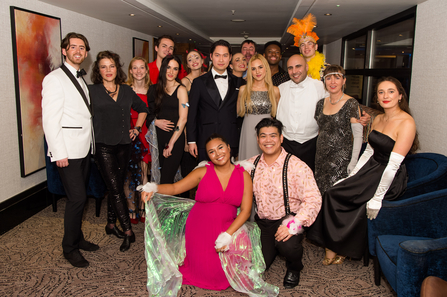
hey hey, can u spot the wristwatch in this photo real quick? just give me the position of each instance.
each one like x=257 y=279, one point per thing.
x=138 y=128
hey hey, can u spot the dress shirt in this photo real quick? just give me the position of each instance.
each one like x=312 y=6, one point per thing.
x=80 y=80
x=304 y=196
x=296 y=109
x=112 y=118
x=222 y=83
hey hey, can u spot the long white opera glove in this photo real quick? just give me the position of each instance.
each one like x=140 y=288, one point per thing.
x=373 y=206
x=224 y=239
x=369 y=151
x=357 y=133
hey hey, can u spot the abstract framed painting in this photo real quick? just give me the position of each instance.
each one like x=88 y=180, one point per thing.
x=141 y=48
x=36 y=40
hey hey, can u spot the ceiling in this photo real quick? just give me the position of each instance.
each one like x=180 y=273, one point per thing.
x=204 y=21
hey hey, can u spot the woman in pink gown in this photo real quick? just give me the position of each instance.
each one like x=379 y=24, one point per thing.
x=213 y=233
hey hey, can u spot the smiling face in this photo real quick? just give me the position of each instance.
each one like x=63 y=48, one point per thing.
x=194 y=60
x=239 y=63
x=218 y=151
x=138 y=70
x=270 y=140
x=387 y=95
x=76 y=52
x=308 y=47
x=107 y=69
x=334 y=83
x=172 y=70
x=297 y=68
x=248 y=50
x=273 y=54
x=258 y=70
x=165 y=48
x=221 y=58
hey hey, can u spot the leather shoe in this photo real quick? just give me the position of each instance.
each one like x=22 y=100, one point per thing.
x=88 y=246
x=76 y=259
x=291 y=280
x=127 y=240
x=115 y=231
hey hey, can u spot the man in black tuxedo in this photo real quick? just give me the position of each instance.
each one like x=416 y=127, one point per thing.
x=212 y=103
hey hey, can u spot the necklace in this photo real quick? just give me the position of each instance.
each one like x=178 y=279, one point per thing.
x=337 y=100
x=111 y=93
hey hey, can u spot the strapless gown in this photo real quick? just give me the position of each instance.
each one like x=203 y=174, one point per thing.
x=341 y=224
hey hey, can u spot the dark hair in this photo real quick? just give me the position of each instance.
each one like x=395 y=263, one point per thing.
x=273 y=42
x=248 y=41
x=216 y=136
x=157 y=43
x=66 y=41
x=403 y=104
x=161 y=84
x=269 y=122
x=120 y=74
x=220 y=42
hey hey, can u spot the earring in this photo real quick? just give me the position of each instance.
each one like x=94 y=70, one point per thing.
x=400 y=100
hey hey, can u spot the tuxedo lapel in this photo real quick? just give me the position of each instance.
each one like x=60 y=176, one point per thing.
x=231 y=89
x=78 y=87
x=212 y=89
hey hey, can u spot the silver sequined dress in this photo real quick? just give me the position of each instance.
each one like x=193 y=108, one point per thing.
x=262 y=107
x=334 y=143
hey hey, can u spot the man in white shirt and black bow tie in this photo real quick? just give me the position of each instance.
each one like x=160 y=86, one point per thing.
x=212 y=101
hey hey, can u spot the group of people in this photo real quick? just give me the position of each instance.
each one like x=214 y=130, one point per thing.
x=302 y=138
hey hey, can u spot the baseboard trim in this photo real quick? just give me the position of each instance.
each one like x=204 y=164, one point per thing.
x=23 y=206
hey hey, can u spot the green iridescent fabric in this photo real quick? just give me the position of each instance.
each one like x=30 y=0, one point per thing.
x=164 y=239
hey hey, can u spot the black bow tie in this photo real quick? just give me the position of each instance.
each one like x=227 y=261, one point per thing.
x=80 y=73
x=220 y=76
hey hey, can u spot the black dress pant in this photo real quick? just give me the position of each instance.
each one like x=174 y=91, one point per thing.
x=304 y=151
x=75 y=180
x=112 y=161
x=292 y=249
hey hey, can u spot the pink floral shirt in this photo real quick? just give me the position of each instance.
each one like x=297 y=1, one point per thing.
x=304 y=196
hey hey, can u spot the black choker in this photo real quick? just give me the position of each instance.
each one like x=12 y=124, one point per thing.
x=111 y=94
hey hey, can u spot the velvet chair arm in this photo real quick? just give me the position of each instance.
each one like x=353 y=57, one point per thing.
x=423 y=215
x=418 y=259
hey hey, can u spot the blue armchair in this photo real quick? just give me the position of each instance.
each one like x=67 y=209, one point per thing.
x=96 y=185
x=409 y=241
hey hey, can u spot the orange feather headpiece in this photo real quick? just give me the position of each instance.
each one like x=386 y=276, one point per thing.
x=303 y=28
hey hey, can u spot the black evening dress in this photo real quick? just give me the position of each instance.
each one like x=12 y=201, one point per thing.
x=341 y=225
x=169 y=110
x=334 y=143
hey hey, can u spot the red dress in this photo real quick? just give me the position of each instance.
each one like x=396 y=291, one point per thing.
x=144 y=145
x=214 y=211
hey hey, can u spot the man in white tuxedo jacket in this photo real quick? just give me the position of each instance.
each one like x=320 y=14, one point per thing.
x=67 y=124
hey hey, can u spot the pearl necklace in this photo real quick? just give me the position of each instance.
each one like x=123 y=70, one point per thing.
x=337 y=100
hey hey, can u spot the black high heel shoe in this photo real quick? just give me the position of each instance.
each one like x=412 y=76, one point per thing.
x=115 y=231
x=127 y=240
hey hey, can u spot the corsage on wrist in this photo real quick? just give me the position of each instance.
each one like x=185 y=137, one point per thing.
x=294 y=225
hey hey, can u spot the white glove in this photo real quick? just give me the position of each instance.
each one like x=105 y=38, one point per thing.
x=224 y=239
x=357 y=132
x=373 y=206
x=294 y=225
x=369 y=151
x=149 y=187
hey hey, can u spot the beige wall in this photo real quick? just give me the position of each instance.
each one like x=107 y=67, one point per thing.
x=101 y=36
x=428 y=98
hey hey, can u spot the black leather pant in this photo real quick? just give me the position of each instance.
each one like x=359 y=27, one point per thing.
x=112 y=161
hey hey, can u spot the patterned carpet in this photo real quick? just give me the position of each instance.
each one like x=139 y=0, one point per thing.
x=31 y=264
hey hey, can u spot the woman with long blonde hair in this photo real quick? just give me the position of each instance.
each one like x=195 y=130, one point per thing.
x=258 y=99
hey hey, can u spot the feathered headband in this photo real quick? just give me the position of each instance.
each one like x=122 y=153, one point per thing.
x=303 y=28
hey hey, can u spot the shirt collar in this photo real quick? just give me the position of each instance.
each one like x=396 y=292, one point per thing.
x=301 y=85
x=214 y=72
x=279 y=161
x=71 y=68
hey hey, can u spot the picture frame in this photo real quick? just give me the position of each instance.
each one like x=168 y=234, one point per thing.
x=31 y=65
x=141 y=48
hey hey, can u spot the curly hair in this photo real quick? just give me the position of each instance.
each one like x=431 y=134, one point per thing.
x=120 y=74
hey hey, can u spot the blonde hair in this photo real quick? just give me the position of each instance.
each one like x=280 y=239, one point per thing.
x=147 y=81
x=245 y=104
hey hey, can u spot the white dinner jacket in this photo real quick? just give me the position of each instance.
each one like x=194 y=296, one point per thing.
x=66 y=119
